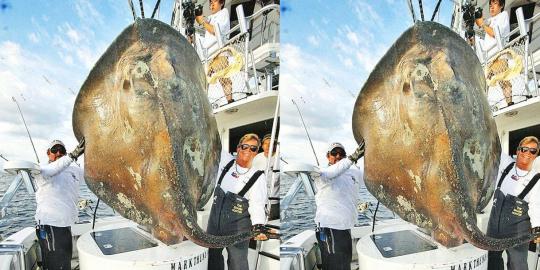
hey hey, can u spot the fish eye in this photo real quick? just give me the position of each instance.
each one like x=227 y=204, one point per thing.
x=406 y=88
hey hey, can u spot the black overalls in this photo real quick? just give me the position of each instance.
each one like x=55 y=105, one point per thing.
x=229 y=215
x=509 y=218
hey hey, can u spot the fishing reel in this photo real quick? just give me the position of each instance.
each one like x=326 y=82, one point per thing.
x=190 y=11
x=470 y=13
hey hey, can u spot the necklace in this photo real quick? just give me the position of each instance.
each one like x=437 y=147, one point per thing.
x=520 y=176
x=236 y=169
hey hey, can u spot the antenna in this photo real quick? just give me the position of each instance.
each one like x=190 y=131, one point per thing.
x=309 y=138
x=24 y=122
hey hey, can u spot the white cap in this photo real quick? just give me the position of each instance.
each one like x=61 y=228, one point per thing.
x=334 y=145
x=55 y=142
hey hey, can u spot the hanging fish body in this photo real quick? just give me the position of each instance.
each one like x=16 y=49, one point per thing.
x=152 y=145
x=432 y=149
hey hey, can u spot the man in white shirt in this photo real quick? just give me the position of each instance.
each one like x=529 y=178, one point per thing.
x=516 y=204
x=239 y=200
x=336 y=199
x=57 y=196
x=217 y=21
x=272 y=180
x=499 y=19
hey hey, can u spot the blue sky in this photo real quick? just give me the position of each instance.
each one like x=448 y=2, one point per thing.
x=328 y=49
x=47 y=49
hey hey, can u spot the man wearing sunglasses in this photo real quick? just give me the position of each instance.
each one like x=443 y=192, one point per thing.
x=336 y=199
x=516 y=205
x=56 y=197
x=239 y=200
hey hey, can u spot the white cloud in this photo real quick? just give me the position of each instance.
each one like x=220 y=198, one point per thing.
x=366 y=14
x=74 y=45
x=314 y=40
x=348 y=62
x=33 y=37
x=352 y=37
x=319 y=89
x=367 y=59
x=87 y=12
x=73 y=35
x=40 y=88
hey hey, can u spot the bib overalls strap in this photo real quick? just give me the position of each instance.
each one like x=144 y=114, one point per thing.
x=509 y=215
x=509 y=218
x=229 y=214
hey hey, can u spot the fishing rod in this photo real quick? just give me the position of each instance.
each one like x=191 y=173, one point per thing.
x=267 y=171
x=24 y=122
x=309 y=138
x=3 y=157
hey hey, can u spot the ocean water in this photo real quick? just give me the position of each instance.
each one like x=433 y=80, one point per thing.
x=21 y=210
x=301 y=213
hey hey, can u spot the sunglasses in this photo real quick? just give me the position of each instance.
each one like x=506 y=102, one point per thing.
x=524 y=149
x=58 y=148
x=336 y=151
x=253 y=148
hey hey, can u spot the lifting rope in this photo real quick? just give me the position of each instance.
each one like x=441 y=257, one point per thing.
x=142 y=8
x=421 y=9
x=411 y=9
x=436 y=9
x=155 y=8
x=130 y=2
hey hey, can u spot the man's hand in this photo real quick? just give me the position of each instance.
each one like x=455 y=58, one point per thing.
x=199 y=19
x=263 y=233
x=359 y=152
x=536 y=234
x=479 y=22
x=79 y=150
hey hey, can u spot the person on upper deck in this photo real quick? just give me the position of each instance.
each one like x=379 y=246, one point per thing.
x=336 y=200
x=499 y=19
x=217 y=21
x=516 y=205
x=56 y=197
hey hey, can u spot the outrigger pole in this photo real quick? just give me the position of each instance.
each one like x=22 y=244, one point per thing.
x=24 y=122
x=309 y=138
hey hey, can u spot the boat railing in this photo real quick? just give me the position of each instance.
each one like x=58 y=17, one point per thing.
x=509 y=66
x=234 y=69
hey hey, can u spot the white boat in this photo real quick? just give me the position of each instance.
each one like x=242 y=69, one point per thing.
x=118 y=243
x=396 y=244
